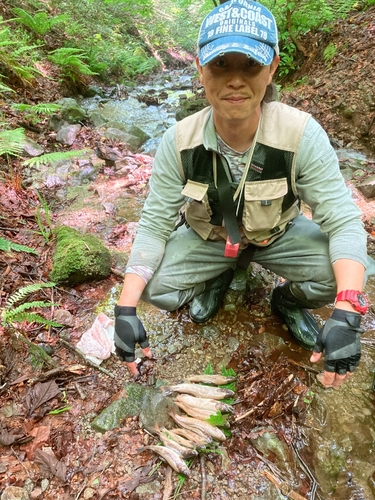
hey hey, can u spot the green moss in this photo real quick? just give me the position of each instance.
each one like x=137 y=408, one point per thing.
x=79 y=258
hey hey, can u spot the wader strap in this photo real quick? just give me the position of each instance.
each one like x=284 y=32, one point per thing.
x=227 y=204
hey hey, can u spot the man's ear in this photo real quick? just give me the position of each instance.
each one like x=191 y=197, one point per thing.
x=199 y=68
x=274 y=66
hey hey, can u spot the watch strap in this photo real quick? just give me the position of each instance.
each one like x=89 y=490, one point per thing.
x=356 y=298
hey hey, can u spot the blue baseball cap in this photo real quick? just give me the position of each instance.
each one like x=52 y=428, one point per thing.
x=238 y=26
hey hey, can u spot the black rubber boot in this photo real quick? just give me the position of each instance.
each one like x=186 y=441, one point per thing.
x=206 y=305
x=292 y=310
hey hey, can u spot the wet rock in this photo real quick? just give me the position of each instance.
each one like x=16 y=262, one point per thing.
x=97 y=119
x=79 y=258
x=269 y=444
x=117 y=135
x=67 y=134
x=155 y=409
x=367 y=188
x=31 y=147
x=130 y=406
x=71 y=111
x=189 y=107
x=14 y=493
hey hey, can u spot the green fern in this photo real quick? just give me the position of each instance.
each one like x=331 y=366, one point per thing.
x=17 y=314
x=51 y=158
x=38 y=109
x=12 y=57
x=4 y=88
x=8 y=246
x=11 y=141
x=32 y=112
x=39 y=23
x=71 y=63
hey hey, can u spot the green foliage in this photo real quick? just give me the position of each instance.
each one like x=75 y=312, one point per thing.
x=71 y=62
x=45 y=229
x=132 y=63
x=51 y=158
x=13 y=58
x=329 y=52
x=8 y=246
x=4 y=88
x=14 y=313
x=39 y=23
x=32 y=112
x=11 y=141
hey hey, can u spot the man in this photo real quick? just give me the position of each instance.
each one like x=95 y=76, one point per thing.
x=239 y=169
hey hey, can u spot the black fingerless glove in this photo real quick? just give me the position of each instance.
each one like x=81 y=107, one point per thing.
x=340 y=339
x=128 y=331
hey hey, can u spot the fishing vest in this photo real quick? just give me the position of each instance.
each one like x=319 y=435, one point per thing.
x=269 y=199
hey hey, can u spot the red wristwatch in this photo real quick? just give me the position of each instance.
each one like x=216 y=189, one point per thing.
x=357 y=299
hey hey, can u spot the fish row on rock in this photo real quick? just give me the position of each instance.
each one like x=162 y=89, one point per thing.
x=194 y=432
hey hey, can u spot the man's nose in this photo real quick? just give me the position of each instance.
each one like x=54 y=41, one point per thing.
x=235 y=79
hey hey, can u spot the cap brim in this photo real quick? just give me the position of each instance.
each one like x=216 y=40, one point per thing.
x=259 y=51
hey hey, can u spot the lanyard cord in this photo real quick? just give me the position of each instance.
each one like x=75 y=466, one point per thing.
x=239 y=191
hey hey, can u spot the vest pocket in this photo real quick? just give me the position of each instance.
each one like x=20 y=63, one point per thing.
x=197 y=208
x=263 y=203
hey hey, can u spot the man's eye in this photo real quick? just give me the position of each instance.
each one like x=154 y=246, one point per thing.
x=252 y=64
x=220 y=63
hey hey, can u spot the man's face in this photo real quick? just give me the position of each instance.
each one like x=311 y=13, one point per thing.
x=235 y=85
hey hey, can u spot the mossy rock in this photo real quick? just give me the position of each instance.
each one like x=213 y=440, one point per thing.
x=79 y=258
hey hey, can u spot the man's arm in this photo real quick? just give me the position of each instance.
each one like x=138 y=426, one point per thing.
x=126 y=320
x=158 y=219
x=349 y=275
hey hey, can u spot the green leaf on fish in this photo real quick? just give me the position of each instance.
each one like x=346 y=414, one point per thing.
x=208 y=370
x=218 y=419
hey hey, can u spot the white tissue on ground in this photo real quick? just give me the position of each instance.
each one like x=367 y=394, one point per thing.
x=97 y=343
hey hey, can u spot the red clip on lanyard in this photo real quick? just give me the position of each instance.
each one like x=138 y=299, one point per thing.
x=231 y=250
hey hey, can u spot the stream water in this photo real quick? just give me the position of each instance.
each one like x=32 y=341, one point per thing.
x=340 y=437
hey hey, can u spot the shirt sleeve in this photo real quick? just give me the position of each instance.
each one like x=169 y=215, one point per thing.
x=321 y=186
x=161 y=209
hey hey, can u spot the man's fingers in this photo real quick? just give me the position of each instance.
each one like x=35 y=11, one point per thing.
x=332 y=379
x=147 y=352
x=132 y=367
x=326 y=378
x=315 y=357
x=339 y=379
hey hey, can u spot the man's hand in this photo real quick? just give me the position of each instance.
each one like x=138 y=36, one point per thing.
x=129 y=331
x=340 y=339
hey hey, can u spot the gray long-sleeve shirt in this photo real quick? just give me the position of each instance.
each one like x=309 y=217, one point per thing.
x=319 y=184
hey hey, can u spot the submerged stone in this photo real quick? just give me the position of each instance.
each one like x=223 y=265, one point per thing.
x=79 y=258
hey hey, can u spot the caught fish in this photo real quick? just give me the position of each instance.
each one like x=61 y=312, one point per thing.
x=210 y=379
x=204 y=403
x=201 y=391
x=200 y=439
x=195 y=412
x=180 y=439
x=199 y=426
x=172 y=457
x=168 y=441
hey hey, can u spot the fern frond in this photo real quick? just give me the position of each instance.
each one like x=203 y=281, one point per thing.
x=8 y=246
x=25 y=291
x=11 y=141
x=41 y=108
x=4 y=88
x=39 y=23
x=31 y=318
x=29 y=305
x=51 y=158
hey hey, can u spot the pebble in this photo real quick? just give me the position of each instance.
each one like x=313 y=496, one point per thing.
x=15 y=493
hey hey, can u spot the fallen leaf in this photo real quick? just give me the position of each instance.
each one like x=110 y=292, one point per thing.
x=41 y=436
x=50 y=465
x=41 y=393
